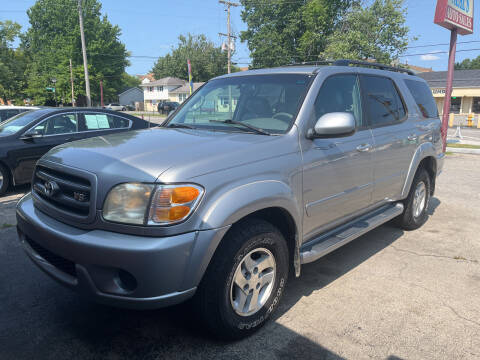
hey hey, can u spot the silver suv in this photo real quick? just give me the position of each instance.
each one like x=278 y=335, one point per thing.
x=257 y=173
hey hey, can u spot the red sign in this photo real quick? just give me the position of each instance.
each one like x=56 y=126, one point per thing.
x=455 y=14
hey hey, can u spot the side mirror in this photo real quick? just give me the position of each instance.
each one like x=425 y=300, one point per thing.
x=31 y=136
x=332 y=125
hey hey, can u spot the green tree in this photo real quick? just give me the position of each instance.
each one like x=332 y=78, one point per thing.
x=207 y=59
x=375 y=32
x=468 y=64
x=54 y=37
x=12 y=62
x=285 y=31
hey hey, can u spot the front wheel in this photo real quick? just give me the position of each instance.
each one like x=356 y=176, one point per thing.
x=416 y=204
x=245 y=280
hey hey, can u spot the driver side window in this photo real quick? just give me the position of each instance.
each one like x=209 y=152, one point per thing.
x=340 y=93
x=57 y=125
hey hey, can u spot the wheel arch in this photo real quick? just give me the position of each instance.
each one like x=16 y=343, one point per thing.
x=424 y=157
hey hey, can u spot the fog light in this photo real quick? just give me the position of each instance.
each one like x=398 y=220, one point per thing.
x=126 y=281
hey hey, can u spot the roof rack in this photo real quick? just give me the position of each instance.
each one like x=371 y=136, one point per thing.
x=346 y=62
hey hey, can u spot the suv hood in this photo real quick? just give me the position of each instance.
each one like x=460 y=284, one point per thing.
x=144 y=155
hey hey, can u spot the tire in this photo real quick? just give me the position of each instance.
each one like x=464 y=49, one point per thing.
x=412 y=218
x=123 y=109
x=218 y=291
x=4 y=179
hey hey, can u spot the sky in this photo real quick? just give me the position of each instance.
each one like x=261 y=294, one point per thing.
x=151 y=28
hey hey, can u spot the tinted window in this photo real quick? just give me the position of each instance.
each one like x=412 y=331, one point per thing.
x=384 y=105
x=423 y=97
x=8 y=113
x=340 y=93
x=58 y=124
x=102 y=121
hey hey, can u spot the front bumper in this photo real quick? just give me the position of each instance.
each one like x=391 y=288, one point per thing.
x=117 y=269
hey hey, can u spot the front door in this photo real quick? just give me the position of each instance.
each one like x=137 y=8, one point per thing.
x=55 y=130
x=337 y=172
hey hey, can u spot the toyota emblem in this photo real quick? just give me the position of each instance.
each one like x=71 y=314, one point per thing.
x=51 y=188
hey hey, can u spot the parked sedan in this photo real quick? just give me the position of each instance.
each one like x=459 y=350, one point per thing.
x=6 y=111
x=27 y=136
x=116 y=107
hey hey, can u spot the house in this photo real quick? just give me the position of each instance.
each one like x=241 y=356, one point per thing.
x=131 y=96
x=466 y=90
x=169 y=89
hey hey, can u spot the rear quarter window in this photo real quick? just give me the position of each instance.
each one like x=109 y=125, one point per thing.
x=423 y=97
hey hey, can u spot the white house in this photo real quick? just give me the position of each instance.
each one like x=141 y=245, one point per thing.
x=169 y=88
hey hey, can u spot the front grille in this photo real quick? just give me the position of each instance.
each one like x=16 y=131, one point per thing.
x=59 y=262
x=63 y=191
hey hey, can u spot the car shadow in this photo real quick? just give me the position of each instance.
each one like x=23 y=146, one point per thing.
x=72 y=326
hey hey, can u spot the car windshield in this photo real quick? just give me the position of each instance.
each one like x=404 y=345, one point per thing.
x=19 y=122
x=266 y=102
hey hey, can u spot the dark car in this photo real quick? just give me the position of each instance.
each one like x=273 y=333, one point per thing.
x=26 y=137
x=166 y=106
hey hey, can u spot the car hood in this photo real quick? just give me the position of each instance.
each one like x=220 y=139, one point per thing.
x=144 y=155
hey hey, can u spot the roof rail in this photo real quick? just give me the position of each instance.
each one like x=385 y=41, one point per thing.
x=346 y=62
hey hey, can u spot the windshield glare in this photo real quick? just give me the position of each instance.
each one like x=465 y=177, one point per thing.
x=268 y=102
x=18 y=122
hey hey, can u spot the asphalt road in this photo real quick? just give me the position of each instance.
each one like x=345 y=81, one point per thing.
x=388 y=295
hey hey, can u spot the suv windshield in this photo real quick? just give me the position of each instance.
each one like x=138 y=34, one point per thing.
x=266 y=102
x=18 y=122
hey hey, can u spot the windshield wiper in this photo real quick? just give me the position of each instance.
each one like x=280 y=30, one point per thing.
x=180 y=125
x=251 y=127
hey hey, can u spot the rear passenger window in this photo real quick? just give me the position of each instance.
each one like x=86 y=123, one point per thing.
x=383 y=103
x=104 y=122
x=340 y=93
x=423 y=97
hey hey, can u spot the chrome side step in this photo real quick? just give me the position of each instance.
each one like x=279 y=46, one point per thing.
x=332 y=240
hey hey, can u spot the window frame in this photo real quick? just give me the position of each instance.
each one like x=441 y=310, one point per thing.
x=364 y=100
x=365 y=125
x=48 y=118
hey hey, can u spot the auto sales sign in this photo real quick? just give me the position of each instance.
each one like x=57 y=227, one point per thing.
x=455 y=14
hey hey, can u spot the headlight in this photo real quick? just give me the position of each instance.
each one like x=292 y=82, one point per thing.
x=147 y=204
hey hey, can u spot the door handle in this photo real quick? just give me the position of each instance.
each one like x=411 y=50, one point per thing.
x=412 y=137
x=364 y=147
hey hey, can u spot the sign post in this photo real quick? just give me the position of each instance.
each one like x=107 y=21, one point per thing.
x=457 y=16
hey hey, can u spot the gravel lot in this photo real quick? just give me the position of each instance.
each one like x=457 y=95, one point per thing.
x=388 y=295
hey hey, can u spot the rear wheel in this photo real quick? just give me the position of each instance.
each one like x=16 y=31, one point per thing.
x=244 y=281
x=416 y=204
x=4 y=179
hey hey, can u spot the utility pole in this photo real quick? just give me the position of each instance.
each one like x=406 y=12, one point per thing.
x=84 y=52
x=101 y=93
x=228 y=34
x=71 y=83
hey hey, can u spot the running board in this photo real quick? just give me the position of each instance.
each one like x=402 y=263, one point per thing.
x=332 y=240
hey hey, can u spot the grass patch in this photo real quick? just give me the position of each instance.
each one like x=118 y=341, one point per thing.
x=148 y=115
x=6 y=226
x=463 y=146
x=448 y=153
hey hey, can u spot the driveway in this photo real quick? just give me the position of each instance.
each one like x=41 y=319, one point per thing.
x=388 y=295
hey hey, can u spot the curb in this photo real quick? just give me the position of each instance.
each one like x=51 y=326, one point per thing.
x=463 y=151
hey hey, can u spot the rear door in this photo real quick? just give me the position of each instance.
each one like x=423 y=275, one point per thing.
x=394 y=136
x=337 y=172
